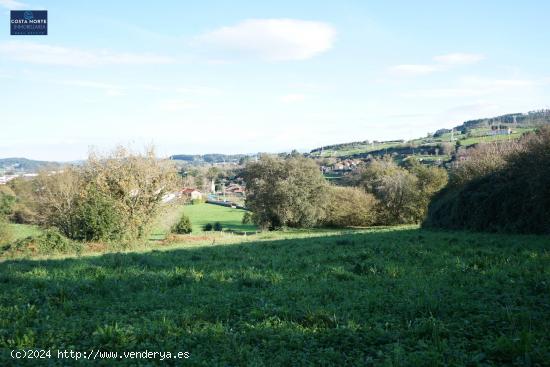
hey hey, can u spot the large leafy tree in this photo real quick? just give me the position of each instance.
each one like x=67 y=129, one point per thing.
x=285 y=192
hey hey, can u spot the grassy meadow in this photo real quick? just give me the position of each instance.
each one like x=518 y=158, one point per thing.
x=398 y=296
x=201 y=214
x=230 y=218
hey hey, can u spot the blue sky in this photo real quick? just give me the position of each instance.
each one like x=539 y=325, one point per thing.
x=249 y=76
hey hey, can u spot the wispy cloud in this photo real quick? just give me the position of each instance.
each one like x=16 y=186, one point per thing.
x=36 y=53
x=270 y=39
x=442 y=63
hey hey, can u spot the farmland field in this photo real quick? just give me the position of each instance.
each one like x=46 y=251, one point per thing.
x=201 y=214
x=392 y=296
x=230 y=218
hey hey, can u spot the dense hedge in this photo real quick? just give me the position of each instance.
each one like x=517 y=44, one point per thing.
x=513 y=198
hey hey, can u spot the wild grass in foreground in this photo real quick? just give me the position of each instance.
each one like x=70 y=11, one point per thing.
x=384 y=297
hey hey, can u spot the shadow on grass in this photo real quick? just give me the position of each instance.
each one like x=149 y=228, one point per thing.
x=410 y=297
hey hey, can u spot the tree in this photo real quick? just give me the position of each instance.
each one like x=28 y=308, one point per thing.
x=25 y=207
x=285 y=192
x=403 y=194
x=430 y=180
x=7 y=200
x=108 y=198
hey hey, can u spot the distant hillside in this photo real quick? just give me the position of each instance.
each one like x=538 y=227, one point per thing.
x=25 y=165
x=466 y=134
x=209 y=158
x=530 y=119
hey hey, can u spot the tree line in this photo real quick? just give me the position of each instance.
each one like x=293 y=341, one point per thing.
x=292 y=192
x=500 y=186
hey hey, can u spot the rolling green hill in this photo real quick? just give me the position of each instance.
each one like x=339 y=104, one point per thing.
x=468 y=133
x=25 y=165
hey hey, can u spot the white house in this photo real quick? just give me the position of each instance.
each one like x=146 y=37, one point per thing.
x=191 y=193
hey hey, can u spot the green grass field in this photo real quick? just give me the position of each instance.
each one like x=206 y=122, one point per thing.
x=200 y=214
x=391 y=296
x=231 y=219
x=490 y=138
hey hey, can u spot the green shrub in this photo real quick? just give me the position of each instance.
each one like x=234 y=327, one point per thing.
x=5 y=231
x=247 y=218
x=183 y=226
x=350 y=206
x=197 y=201
x=108 y=198
x=96 y=218
x=207 y=227
x=22 y=214
x=218 y=226
x=7 y=200
x=50 y=241
x=512 y=198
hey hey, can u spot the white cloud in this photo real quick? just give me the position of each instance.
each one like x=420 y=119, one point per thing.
x=271 y=39
x=442 y=62
x=459 y=58
x=56 y=55
x=13 y=5
x=292 y=98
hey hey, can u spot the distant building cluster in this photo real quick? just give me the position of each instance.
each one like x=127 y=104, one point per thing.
x=4 y=179
x=501 y=131
x=342 y=166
